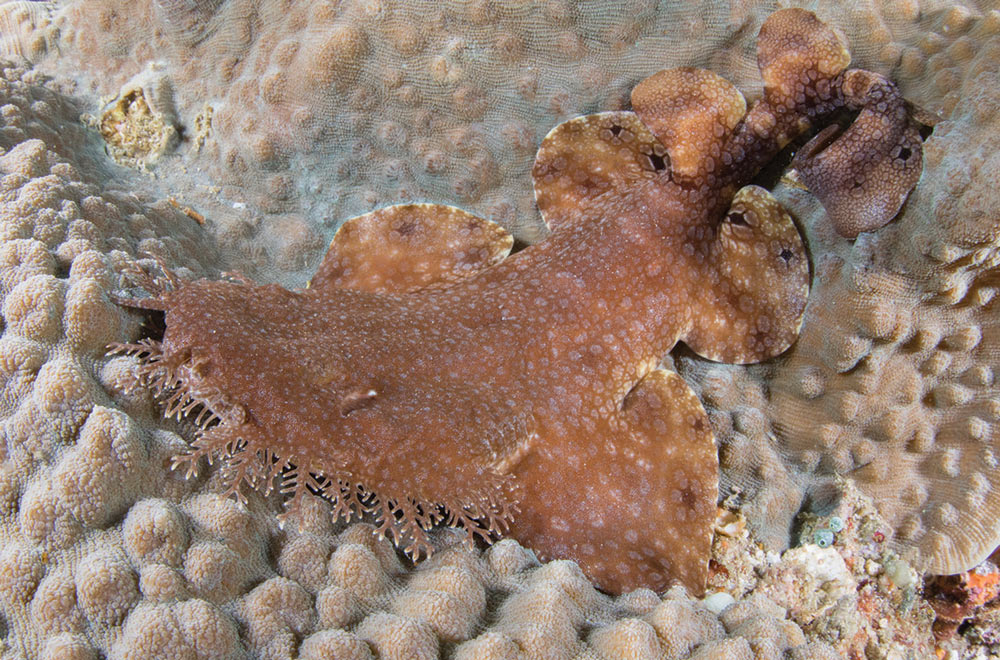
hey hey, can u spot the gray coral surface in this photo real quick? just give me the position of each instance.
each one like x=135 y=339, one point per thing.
x=217 y=134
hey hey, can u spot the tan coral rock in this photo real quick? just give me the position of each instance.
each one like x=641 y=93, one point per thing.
x=59 y=400
x=334 y=644
x=54 y=607
x=160 y=584
x=21 y=259
x=225 y=519
x=26 y=29
x=91 y=265
x=100 y=478
x=68 y=647
x=626 y=638
x=117 y=377
x=21 y=569
x=489 y=646
x=684 y=626
x=106 y=588
x=337 y=607
x=278 y=612
x=155 y=531
x=303 y=559
x=725 y=649
x=214 y=571
x=356 y=569
x=444 y=613
x=451 y=600
x=770 y=637
x=190 y=629
x=746 y=610
x=398 y=638
x=544 y=615
x=9 y=489
x=27 y=159
x=34 y=308
x=92 y=321
x=20 y=360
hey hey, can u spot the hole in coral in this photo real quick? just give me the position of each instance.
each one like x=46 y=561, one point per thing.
x=737 y=218
x=904 y=153
x=657 y=161
x=616 y=130
x=786 y=255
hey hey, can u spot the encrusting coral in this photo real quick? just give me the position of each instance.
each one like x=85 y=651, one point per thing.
x=351 y=386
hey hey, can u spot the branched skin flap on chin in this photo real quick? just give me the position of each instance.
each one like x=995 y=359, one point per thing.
x=426 y=376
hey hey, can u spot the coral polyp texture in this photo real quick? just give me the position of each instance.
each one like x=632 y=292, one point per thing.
x=106 y=552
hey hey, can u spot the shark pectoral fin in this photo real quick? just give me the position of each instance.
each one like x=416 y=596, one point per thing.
x=863 y=175
x=592 y=164
x=631 y=498
x=750 y=301
x=402 y=248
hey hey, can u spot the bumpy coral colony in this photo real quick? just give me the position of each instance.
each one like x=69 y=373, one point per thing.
x=423 y=376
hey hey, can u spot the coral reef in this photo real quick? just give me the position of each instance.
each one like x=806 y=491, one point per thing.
x=106 y=553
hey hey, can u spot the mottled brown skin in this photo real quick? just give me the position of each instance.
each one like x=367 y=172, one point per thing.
x=864 y=175
x=522 y=395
